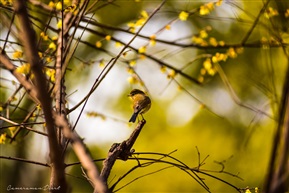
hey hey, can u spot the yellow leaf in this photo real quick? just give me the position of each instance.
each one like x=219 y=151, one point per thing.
x=239 y=50
x=163 y=69
x=287 y=13
x=215 y=59
x=132 y=63
x=48 y=59
x=168 y=27
x=153 y=42
x=212 y=71
x=172 y=74
x=221 y=43
x=12 y=129
x=203 y=71
x=142 y=57
x=131 y=24
x=213 y=42
x=2 y=138
x=142 y=50
x=98 y=44
x=58 y=6
x=203 y=34
x=54 y=38
x=207 y=64
x=202 y=106
x=270 y=12
x=38 y=107
x=17 y=54
x=130 y=70
x=52 y=46
x=44 y=36
x=40 y=54
x=59 y=24
x=210 y=6
x=118 y=44
x=51 y=4
x=108 y=38
x=51 y=74
x=232 y=53
x=204 y=10
x=144 y=14
x=132 y=79
x=219 y=2
x=248 y=191
x=76 y=12
x=101 y=63
x=66 y=2
x=183 y=16
x=23 y=69
x=140 y=22
x=201 y=79
x=198 y=40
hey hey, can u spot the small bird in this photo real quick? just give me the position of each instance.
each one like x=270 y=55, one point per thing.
x=141 y=103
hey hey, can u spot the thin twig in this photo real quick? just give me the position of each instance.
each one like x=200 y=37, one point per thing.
x=24 y=160
x=23 y=126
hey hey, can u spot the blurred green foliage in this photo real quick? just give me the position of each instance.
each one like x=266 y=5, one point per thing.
x=234 y=128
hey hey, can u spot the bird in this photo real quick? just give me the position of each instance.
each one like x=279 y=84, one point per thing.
x=141 y=103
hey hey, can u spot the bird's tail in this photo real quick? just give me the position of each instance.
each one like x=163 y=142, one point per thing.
x=133 y=117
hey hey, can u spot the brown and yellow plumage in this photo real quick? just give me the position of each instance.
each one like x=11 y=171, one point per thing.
x=141 y=103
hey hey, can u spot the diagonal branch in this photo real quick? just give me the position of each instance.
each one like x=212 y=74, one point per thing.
x=121 y=150
x=82 y=154
x=255 y=22
x=7 y=64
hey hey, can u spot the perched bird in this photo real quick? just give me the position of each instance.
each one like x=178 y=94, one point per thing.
x=141 y=103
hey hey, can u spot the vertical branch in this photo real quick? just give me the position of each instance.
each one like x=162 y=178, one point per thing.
x=63 y=45
x=28 y=38
x=59 y=88
x=278 y=174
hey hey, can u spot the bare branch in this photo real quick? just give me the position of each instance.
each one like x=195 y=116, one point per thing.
x=82 y=154
x=278 y=172
x=29 y=87
x=122 y=151
x=23 y=126
x=24 y=161
x=28 y=38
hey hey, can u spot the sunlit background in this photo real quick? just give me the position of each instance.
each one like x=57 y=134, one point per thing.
x=226 y=123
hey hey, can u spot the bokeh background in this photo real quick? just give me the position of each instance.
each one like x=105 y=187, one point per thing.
x=228 y=117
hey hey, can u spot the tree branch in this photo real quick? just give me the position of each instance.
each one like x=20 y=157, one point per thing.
x=28 y=38
x=7 y=64
x=120 y=150
x=82 y=154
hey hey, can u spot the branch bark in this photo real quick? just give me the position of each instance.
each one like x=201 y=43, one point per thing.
x=82 y=154
x=30 y=88
x=120 y=150
x=28 y=38
x=278 y=174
